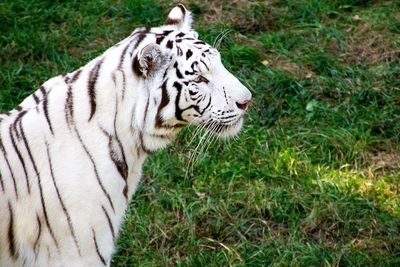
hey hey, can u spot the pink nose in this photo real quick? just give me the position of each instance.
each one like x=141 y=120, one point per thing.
x=244 y=105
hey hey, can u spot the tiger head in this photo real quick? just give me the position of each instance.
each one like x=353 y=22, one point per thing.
x=187 y=79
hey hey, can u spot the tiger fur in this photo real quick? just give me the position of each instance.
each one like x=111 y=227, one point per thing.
x=71 y=154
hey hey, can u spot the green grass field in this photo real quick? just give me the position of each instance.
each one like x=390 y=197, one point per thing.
x=313 y=179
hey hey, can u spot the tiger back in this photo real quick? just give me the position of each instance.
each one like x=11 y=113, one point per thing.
x=71 y=154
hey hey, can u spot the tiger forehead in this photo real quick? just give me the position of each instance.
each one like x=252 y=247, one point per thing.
x=181 y=40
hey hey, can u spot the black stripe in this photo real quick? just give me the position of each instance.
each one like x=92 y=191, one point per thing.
x=122 y=166
x=71 y=227
x=20 y=159
x=226 y=98
x=116 y=157
x=164 y=102
x=208 y=105
x=35 y=98
x=178 y=111
x=95 y=169
x=18 y=118
x=69 y=107
x=122 y=59
x=141 y=37
x=97 y=248
x=182 y=7
x=66 y=79
x=1 y=183
x=159 y=39
x=93 y=76
x=169 y=44
x=11 y=235
x=39 y=184
x=181 y=34
x=202 y=61
x=46 y=109
x=4 y=152
x=39 y=233
x=109 y=222
x=166 y=33
x=179 y=51
x=123 y=84
x=178 y=72
x=75 y=76
x=193 y=70
x=136 y=66
x=189 y=53
x=146 y=110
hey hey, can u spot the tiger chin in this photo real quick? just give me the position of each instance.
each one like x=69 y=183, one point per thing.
x=71 y=154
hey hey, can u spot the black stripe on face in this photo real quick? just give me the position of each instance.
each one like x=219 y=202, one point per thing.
x=170 y=44
x=179 y=51
x=11 y=235
x=164 y=102
x=180 y=35
x=178 y=72
x=93 y=76
x=194 y=64
x=202 y=61
x=141 y=37
x=178 y=111
x=136 y=66
x=97 y=248
x=189 y=53
x=66 y=213
x=159 y=39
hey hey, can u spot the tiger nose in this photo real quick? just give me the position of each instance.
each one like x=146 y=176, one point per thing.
x=243 y=105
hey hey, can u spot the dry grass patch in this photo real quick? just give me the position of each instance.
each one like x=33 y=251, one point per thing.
x=366 y=45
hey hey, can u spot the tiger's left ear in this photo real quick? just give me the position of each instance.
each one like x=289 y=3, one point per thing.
x=180 y=17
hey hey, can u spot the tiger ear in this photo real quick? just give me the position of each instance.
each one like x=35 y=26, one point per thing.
x=148 y=60
x=180 y=17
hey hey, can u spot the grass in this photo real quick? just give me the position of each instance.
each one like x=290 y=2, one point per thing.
x=313 y=180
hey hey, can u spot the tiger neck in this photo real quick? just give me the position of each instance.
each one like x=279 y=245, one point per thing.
x=127 y=115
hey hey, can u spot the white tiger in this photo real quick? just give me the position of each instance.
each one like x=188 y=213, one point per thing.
x=71 y=154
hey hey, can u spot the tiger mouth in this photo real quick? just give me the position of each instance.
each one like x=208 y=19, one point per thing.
x=222 y=129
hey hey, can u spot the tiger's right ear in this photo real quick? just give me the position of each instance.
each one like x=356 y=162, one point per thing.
x=149 y=60
x=180 y=17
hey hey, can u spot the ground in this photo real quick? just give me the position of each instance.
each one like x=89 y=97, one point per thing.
x=313 y=179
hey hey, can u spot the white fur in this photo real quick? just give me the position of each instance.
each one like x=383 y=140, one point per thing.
x=80 y=146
